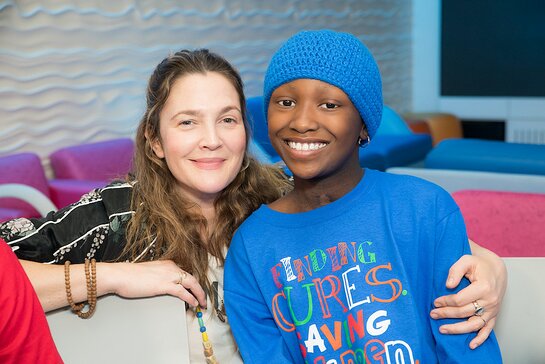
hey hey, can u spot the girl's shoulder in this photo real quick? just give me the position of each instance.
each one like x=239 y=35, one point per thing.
x=407 y=183
x=415 y=191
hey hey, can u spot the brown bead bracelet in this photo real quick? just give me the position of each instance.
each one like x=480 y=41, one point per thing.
x=90 y=278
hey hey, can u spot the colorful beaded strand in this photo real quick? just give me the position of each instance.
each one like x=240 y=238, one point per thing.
x=206 y=344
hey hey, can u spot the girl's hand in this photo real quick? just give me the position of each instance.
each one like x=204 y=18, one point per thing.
x=488 y=277
x=134 y=280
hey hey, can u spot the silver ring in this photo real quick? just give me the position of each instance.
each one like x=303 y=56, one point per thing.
x=479 y=310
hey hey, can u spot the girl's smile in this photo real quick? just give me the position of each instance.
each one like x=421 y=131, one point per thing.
x=314 y=127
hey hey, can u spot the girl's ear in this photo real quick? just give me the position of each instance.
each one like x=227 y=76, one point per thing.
x=156 y=146
x=363 y=139
x=363 y=133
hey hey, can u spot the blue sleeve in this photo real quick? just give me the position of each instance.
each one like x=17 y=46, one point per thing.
x=257 y=336
x=451 y=244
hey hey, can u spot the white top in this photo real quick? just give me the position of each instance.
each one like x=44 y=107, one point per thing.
x=219 y=333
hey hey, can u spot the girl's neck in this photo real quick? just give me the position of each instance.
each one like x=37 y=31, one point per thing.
x=310 y=194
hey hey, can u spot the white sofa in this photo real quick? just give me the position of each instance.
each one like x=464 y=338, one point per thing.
x=136 y=331
x=455 y=180
x=521 y=325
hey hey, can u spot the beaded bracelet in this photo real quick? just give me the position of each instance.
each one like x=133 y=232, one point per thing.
x=90 y=278
x=75 y=307
x=91 y=289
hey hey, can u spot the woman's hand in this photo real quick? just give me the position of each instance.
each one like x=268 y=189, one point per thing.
x=488 y=277
x=133 y=280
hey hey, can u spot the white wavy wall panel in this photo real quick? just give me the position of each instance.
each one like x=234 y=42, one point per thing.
x=75 y=71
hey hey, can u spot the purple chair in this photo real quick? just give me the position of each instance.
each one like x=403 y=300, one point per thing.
x=81 y=168
x=23 y=169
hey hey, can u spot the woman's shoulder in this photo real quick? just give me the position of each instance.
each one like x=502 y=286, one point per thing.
x=118 y=185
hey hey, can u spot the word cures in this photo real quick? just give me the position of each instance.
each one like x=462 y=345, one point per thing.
x=327 y=290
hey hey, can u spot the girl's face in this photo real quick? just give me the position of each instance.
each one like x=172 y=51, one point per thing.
x=314 y=127
x=202 y=135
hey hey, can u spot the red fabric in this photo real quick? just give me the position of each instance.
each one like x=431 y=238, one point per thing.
x=24 y=333
x=511 y=224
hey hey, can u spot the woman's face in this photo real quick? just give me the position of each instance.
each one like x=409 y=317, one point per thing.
x=202 y=135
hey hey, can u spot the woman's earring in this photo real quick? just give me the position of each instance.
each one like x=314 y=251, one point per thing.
x=362 y=143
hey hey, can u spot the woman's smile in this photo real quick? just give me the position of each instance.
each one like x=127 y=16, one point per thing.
x=208 y=163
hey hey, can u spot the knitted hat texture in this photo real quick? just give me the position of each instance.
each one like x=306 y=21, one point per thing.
x=339 y=59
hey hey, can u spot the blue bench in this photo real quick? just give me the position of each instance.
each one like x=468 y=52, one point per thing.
x=487 y=155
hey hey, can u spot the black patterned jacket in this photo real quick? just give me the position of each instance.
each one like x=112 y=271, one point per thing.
x=93 y=227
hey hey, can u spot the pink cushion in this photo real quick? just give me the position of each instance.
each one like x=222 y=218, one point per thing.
x=511 y=224
x=67 y=191
x=23 y=168
x=10 y=214
x=102 y=161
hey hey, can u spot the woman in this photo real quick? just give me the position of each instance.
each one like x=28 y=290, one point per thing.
x=194 y=184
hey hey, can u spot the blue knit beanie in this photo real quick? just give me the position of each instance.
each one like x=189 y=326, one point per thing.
x=339 y=59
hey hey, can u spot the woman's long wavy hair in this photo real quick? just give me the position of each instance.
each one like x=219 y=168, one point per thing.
x=165 y=216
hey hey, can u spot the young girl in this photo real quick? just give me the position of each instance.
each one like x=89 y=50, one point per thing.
x=345 y=267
